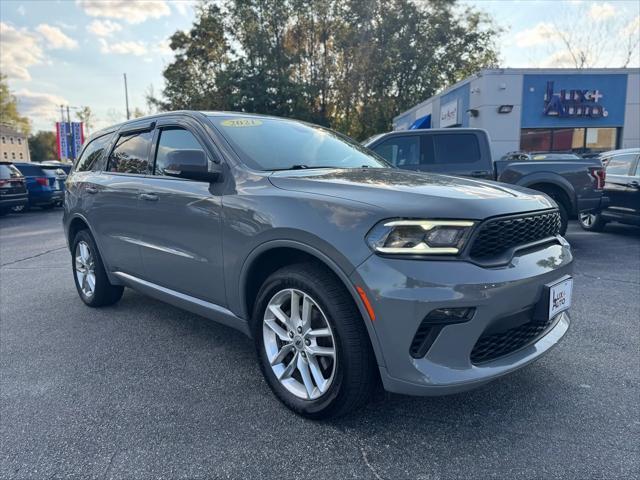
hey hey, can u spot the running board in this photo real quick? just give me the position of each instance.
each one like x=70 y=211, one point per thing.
x=186 y=302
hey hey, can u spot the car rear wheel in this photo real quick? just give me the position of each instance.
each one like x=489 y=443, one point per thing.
x=592 y=222
x=312 y=344
x=89 y=274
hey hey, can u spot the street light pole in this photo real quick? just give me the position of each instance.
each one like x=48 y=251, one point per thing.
x=126 y=94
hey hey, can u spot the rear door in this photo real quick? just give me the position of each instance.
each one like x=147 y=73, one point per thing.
x=456 y=153
x=619 y=186
x=114 y=213
x=181 y=219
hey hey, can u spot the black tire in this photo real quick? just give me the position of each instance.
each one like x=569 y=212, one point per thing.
x=355 y=377
x=591 y=222
x=104 y=292
x=564 y=213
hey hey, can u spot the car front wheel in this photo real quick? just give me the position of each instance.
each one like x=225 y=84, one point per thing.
x=592 y=222
x=312 y=344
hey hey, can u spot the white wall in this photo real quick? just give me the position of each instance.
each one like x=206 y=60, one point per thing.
x=631 y=130
x=487 y=93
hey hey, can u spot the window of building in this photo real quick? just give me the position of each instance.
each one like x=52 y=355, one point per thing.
x=5 y=155
x=131 y=154
x=19 y=141
x=171 y=140
x=11 y=140
x=93 y=152
x=620 y=164
x=400 y=151
x=20 y=155
x=13 y=155
x=579 y=140
x=4 y=139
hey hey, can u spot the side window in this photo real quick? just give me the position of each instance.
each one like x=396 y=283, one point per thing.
x=638 y=168
x=171 y=140
x=400 y=151
x=620 y=164
x=131 y=154
x=451 y=149
x=92 y=153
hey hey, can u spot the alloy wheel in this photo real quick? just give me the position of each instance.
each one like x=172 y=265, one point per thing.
x=587 y=219
x=299 y=344
x=85 y=269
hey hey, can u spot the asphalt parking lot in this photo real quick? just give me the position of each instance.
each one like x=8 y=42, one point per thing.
x=144 y=390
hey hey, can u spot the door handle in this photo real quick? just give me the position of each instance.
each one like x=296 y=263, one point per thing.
x=150 y=197
x=91 y=190
x=479 y=173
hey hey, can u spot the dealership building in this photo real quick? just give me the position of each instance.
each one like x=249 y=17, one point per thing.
x=587 y=110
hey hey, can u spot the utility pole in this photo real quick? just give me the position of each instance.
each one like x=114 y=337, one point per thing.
x=126 y=94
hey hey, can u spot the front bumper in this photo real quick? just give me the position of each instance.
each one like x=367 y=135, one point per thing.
x=402 y=293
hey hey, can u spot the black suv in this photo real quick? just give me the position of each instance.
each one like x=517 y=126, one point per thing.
x=13 y=188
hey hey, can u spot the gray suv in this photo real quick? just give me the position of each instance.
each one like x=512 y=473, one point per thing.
x=344 y=270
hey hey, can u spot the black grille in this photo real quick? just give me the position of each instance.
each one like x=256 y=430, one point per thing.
x=497 y=236
x=492 y=346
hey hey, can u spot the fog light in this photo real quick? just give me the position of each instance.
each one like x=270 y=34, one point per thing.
x=450 y=315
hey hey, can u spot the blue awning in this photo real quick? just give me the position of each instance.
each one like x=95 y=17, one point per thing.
x=422 y=122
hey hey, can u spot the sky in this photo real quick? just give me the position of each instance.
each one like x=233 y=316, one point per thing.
x=74 y=52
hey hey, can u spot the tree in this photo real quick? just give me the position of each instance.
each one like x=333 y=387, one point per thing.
x=85 y=115
x=9 y=109
x=43 y=146
x=349 y=64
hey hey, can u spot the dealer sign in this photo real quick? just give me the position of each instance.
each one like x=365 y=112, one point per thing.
x=573 y=103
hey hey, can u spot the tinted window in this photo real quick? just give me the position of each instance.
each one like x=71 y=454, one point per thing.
x=400 y=151
x=93 y=153
x=30 y=170
x=9 y=171
x=131 y=154
x=276 y=144
x=620 y=164
x=450 y=149
x=171 y=140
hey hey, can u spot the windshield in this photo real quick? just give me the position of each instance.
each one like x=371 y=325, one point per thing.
x=279 y=144
x=555 y=156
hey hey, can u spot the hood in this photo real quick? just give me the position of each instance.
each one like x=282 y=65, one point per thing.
x=411 y=194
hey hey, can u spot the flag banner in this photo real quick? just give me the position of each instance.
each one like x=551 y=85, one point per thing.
x=69 y=137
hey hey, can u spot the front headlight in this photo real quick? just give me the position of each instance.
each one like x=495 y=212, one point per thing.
x=420 y=237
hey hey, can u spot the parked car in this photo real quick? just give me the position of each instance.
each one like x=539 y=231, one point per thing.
x=622 y=189
x=344 y=270
x=13 y=190
x=575 y=184
x=45 y=184
x=65 y=167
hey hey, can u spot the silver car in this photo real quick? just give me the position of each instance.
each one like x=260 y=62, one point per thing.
x=346 y=272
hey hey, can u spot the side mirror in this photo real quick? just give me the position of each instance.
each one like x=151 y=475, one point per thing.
x=191 y=164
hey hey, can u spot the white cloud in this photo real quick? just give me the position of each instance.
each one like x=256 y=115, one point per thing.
x=163 y=48
x=540 y=34
x=560 y=59
x=56 y=38
x=104 y=28
x=127 y=10
x=601 y=11
x=19 y=50
x=123 y=48
x=183 y=7
x=633 y=28
x=39 y=105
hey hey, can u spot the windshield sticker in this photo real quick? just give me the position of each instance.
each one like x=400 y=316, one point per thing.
x=241 y=122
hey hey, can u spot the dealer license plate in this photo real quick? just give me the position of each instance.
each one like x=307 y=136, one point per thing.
x=560 y=297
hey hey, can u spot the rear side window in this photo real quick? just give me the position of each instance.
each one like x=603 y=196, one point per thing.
x=92 y=154
x=171 y=140
x=131 y=154
x=9 y=171
x=450 y=149
x=620 y=164
x=400 y=151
